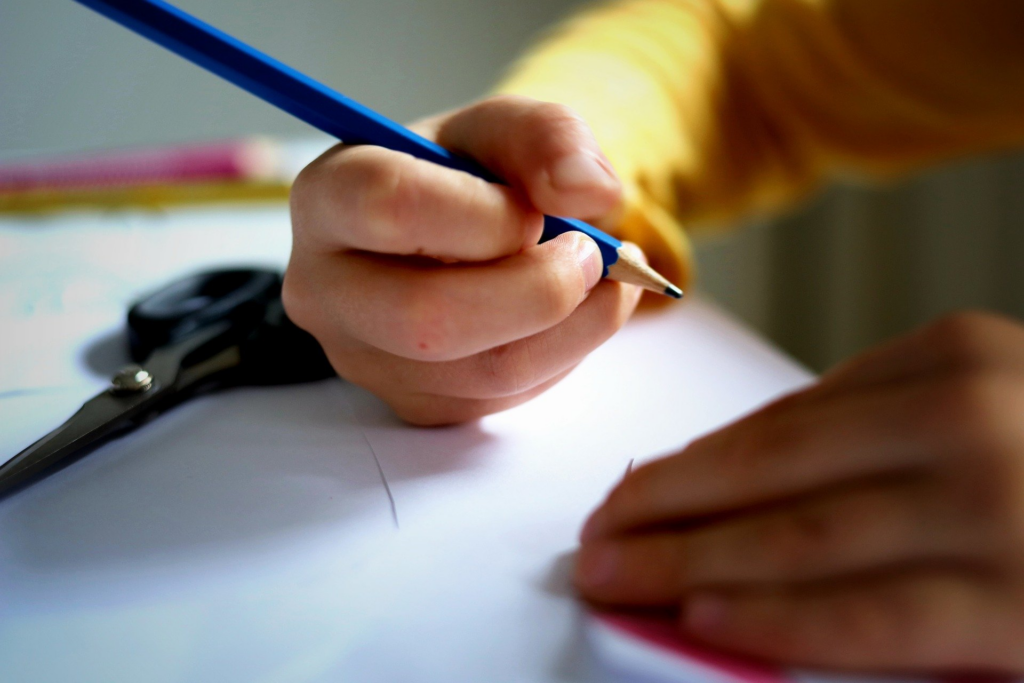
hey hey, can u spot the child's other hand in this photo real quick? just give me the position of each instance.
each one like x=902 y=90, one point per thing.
x=427 y=285
x=874 y=521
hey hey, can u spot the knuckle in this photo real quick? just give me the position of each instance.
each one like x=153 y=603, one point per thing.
x=977 y=417
x=352 y=368
x=302 y=188
x=307 y=195
x=375 y=196
x=961 y=338
x=297 y=301
x=302 y=309
x=970 y=409
x=313 y=173
x=507 y=370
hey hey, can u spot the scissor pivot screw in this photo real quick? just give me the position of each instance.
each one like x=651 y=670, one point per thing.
x=131 y=380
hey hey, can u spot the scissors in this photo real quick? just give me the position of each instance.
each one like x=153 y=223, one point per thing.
x=204 y=332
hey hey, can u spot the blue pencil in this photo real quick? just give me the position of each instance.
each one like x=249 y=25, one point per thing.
x=332 y=112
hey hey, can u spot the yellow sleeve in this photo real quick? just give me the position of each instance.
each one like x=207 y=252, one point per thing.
x=710 y=109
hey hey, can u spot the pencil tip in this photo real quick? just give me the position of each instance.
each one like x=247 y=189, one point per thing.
x=634 y=270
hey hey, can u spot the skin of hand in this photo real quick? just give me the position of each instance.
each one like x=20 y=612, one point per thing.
x=428 y=287
x=873 y=521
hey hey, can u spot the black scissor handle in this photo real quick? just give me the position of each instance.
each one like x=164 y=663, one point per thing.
x=272 y=349
x=169 y=315
x=279 y=352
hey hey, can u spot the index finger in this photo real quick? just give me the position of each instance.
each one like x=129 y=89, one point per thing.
x=377 y=200
x=775 y=455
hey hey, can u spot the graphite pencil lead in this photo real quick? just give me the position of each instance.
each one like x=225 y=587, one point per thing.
x=633 y=270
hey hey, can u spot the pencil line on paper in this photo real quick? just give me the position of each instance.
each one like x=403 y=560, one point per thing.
x=383 y=479
x=376 y=461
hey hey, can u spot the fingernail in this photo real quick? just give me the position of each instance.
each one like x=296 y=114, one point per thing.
x=596 y=565
x=589 y=258
x=705 y=614
x=580 y=171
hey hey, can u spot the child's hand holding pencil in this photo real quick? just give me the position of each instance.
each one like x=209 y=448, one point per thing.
x=418 y=263
x=428 y=286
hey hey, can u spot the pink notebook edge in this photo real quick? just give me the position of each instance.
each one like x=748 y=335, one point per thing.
x=661 y=636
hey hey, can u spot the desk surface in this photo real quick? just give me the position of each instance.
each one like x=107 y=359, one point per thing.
x=248 y=536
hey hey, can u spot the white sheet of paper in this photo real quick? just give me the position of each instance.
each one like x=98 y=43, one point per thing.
x=248 y=536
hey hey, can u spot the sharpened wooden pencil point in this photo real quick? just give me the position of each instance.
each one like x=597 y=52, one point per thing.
x=632 y=270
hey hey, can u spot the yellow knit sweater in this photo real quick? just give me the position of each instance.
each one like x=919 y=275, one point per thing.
x=709 y=109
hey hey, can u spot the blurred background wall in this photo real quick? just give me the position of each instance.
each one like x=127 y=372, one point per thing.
x=852 y=267
x=858 y=265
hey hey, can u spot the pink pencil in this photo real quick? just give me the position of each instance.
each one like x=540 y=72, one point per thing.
x=234 y=160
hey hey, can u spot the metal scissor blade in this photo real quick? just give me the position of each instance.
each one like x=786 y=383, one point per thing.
x=100 y=417
x=108 y=413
